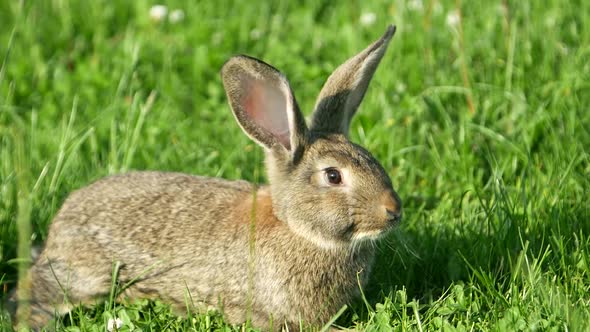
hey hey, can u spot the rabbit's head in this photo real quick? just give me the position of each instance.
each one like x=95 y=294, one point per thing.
x=327 y=189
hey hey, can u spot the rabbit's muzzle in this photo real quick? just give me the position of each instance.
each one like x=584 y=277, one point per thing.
x=392 y=206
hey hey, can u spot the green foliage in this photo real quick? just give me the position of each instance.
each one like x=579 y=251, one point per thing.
x=479 y=114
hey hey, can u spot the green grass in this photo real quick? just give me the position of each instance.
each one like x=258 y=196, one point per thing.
x=484 y=127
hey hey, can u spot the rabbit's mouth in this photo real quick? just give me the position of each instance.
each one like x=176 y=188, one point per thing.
x=377 y=233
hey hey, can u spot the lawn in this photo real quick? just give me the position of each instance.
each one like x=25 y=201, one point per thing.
x=479 y=112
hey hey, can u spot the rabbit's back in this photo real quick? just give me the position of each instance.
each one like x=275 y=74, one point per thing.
x=146 y=205
x=150 y=211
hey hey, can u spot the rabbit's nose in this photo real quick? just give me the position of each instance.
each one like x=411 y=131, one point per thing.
x=393 y=216
x=393 y=206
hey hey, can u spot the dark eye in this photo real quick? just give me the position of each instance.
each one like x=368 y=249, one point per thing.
x=333 y=176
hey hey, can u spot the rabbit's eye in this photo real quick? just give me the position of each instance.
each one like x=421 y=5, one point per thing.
x=333 y=176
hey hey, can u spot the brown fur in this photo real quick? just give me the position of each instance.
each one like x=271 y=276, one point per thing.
x=290 y=252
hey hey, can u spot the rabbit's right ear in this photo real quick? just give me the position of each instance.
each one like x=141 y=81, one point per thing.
x=263 y=103
x=345 y=88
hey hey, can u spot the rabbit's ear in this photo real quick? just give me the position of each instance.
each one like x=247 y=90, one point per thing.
x=263 y=103
x=345 y=88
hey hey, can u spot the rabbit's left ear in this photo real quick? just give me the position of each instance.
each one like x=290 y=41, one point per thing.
x=263 y=103
x=345 y=88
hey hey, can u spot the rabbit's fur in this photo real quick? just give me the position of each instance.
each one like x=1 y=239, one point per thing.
x=286 y=253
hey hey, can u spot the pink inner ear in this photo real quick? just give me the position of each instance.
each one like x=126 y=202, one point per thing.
x=267 y=106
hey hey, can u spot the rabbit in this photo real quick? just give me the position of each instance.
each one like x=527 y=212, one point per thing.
x=288 y=254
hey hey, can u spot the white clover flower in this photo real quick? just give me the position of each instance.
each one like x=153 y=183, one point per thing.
x=368 y=18
x=114 y=323
x=453 y=18
x=176 y=16
x=415 y=5
x=158 y=12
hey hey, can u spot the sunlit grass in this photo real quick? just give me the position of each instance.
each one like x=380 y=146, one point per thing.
x=478 y=113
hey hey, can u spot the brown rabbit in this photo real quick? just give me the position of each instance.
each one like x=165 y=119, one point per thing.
x=282 y=254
